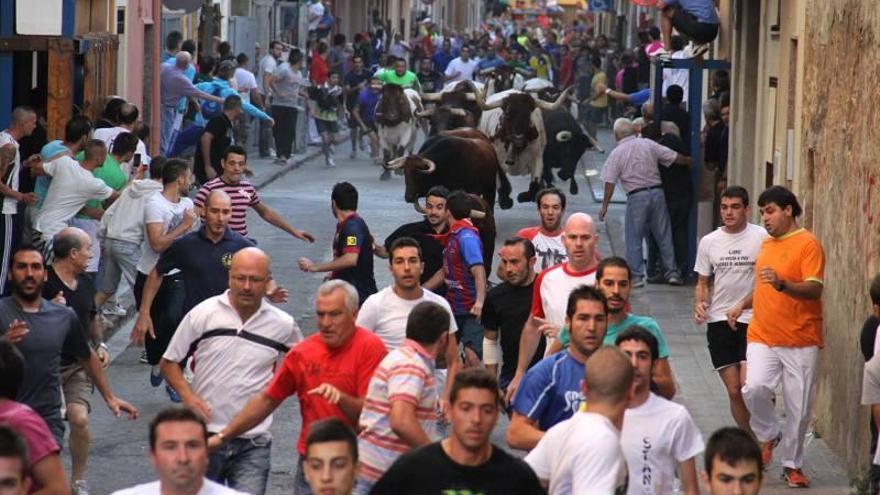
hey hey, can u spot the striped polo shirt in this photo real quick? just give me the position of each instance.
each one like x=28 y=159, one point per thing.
x=243 y=196
x=406 y=374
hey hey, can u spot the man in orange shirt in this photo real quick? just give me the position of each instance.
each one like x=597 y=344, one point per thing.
x=785 y=333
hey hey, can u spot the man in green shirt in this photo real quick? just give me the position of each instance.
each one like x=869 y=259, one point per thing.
x=399 y=76
x=613 y=278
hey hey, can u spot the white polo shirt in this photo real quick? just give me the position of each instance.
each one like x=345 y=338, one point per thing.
x=232 y=360
x=155 y=488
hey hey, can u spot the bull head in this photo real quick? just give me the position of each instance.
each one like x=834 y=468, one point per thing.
x=560 y=100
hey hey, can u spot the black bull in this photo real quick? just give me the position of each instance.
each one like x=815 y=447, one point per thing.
x=566 y=143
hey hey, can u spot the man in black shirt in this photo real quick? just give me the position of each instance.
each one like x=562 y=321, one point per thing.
x=678 y=190
x=434 y=223
x=67 y=284
x=507 y=308
x=43 y=331
x=674 y=112
x=352 y=246
x=352 y=84
x=466 y=461
x=430 y=80
x=217 y=136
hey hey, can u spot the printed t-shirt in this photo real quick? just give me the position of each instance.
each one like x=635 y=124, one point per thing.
x=54 y=330
x=243 y=196
x=353 y=236
x=385 y=314
x=581 y=456
x=464 y=250
x=646 y=322
x=549 y=249
x=158 y=209
x=731 y=258
x=31 y=427
x=656 y=437
x=429 y=470
x=406 y=374
x=778 y=319
x=311 y=363
x=550 y=391
x=506 y=310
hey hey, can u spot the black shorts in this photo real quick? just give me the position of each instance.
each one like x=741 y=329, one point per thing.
x=727 y=347
x=327 y=126
x=689 y=26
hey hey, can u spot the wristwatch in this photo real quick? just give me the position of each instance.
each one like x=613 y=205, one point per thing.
x=780 y=285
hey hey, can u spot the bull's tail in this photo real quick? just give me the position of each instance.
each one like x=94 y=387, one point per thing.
x=504 y=190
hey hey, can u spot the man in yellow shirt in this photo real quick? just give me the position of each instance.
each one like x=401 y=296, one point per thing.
x=597 y=103
x=785 y=333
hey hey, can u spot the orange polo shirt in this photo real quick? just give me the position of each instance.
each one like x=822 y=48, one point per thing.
x=780 y=320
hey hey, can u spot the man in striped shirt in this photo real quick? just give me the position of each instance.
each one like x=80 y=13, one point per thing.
x=401 y=407
x=244 y=195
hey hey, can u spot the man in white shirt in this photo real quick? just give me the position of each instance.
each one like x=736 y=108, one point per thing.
x=235 y=338
x=547 y=237
x=659 y=437
x=73 y=185
x=316 y=12
x=22 y=124
x=462 y=67
x=552 y=288
x=728 y=253
x=246 y=84
x=179 y=454
x=264 y=76
x=128 y=119
x=385 y=313
x=582 y=455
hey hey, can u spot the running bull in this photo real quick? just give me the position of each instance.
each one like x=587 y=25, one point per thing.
x=396 y=122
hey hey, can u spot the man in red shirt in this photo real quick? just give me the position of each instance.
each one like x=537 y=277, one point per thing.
x=329 y=372
x=319 y=71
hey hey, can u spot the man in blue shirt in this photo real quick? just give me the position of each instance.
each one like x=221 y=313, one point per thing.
x=550 y=392
x=695 y=19
x=442 y=58
x=352 y=246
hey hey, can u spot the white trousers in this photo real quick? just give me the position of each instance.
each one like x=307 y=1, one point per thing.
x=796 y=367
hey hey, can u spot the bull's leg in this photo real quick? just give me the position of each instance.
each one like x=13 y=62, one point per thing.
x=504 y=190
x=573 y=186
x=386 y=157
x=528 y=196
x=398 y=152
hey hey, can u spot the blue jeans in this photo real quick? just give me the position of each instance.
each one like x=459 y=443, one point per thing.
x=646 y=212
x=168 y=114
x=242 y=464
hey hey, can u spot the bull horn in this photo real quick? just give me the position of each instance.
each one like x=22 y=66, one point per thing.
x=419 y=207
x=431 y=167
x=563 y=136
x=396 y=163
x=458 y=112
x=481 y=100
x=430 y=96
x=560 y=100
x=425 y=113
x=477 y=214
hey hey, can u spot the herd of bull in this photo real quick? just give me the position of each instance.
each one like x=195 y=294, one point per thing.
x=476 y=136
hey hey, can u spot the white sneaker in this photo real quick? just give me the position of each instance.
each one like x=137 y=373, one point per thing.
x=114 y=310
x=272 y=153
x=330 y=163
x=80 y=487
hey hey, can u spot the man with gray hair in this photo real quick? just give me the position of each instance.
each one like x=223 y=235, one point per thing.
x=329 y=372
x=634 y=163
x=176 y=85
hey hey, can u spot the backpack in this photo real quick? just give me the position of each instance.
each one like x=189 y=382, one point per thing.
x=211 y=109
x=325 y=100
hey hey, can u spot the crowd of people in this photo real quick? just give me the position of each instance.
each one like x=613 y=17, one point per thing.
x=401 y=387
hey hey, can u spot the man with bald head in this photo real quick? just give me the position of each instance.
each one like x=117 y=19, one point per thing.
x=552 y=288
x=583 y=454
x=175 y=85
x=634 y=163
x=203 y=259
x=236 y=338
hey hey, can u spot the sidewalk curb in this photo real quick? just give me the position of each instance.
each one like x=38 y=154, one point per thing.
x=116 y=339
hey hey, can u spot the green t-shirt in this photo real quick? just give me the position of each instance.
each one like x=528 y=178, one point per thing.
x=407 y=80
x=112 y=174
x=646 y=322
